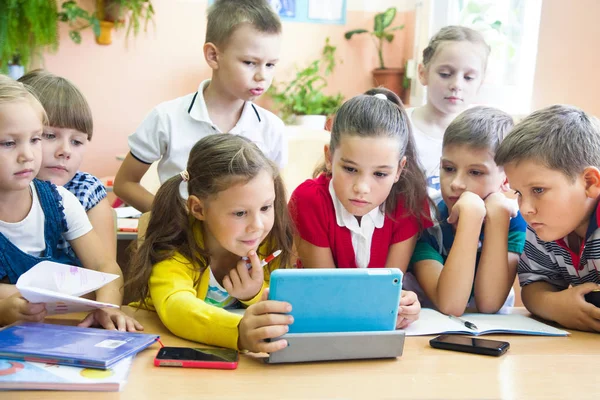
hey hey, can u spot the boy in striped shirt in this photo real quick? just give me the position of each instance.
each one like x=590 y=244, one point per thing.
x=552 y=161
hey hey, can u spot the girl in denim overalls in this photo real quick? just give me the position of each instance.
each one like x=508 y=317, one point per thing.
x=35 y=214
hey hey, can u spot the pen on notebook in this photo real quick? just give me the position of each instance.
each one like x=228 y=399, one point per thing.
x=267 y=259
x=466 y=323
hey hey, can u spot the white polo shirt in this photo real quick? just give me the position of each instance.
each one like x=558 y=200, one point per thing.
x=172 y=128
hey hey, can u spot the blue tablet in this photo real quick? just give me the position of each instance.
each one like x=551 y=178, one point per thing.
x=339 y=300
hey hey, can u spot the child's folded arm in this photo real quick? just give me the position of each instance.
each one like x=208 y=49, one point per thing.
x=175 y=298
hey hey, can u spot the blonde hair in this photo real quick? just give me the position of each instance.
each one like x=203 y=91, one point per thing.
x=12 y=91
x=225 y=16
x=63 y=101
x=454 y=33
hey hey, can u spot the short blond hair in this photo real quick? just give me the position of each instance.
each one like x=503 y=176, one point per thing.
x=225 y=16
x=12 y=91
x=560 y=137
x=63 y=101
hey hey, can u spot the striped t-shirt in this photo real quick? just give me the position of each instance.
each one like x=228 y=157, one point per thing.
x=555 y=263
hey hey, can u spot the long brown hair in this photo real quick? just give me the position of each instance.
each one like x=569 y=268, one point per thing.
x=369 y=116
x=216 y=163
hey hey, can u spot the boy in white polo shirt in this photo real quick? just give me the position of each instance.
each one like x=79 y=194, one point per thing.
x=242 y=47
x=552 y=161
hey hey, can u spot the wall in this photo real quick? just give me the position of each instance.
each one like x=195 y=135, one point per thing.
x=123 y=81
x=568 y=56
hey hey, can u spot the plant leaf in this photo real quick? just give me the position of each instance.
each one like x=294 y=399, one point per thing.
x=388 y=17
x=351 y=33
x=389 y=37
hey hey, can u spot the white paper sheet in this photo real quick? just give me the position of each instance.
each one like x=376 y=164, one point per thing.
x=60 y=285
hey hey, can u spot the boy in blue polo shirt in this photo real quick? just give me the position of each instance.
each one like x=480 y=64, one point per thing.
x=455 y=267
x=242 y=47
x=552 y=160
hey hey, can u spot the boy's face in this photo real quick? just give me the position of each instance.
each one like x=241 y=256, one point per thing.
x=552 y=204
x=454 y=76
x=246 y=64
x=465 y=168
x=20 y=145
x=63 y=151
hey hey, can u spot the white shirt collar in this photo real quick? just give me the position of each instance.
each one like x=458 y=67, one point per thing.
x=198 y=111
x=344 y=218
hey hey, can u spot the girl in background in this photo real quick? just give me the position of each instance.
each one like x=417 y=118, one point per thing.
x=64 y=143
x=453 y=69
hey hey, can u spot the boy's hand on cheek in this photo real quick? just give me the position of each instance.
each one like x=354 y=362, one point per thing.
x=468 y=205
x=572 y=311
x=16 y=308
x=244 y=284
x=264 y=320
x=112 y=319
x=498 y=204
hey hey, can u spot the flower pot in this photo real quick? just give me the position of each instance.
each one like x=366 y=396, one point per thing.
x=105 y=37
x=311 y=121
x=389 y=78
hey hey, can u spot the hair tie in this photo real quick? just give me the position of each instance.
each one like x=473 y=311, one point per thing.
x=380 y=96
x=185 y=175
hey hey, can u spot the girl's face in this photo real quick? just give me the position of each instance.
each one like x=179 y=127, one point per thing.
x=20 y=145
x=363 y=171
x=239 y=218
x=63 y=150
x=454 y=76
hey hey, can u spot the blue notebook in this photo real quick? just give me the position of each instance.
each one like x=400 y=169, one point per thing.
x=70 y=345
x=339 y=300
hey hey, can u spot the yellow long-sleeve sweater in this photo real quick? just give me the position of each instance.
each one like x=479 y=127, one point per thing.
x=181 y=307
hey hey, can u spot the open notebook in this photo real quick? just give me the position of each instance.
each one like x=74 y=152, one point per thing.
x=432 y=322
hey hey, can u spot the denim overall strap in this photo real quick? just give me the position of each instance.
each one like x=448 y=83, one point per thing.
x=13 y=261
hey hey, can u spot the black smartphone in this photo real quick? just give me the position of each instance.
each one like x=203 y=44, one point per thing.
x=593 y=297
x=470 y=345
x=188 y=357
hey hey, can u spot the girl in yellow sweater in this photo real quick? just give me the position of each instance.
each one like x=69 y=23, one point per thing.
x=194 y=261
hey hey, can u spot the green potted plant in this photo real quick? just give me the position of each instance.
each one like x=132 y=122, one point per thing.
x=108 y=14
x=302 y=101
x=391 y=78
x=27 y=29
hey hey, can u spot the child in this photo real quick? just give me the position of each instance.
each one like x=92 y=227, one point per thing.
x=366 y=206
x=452 y=262
x=64 y=143
x=242 y=48
x=552 y=160
x=34 y=214
x=192 y=264
x=16 y=308
x=453 y=69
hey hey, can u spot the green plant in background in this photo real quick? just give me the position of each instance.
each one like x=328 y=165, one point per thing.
x=27 y=29
x=303 y=95
x=78 y=19
x=131 y=13
x=381 y=31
